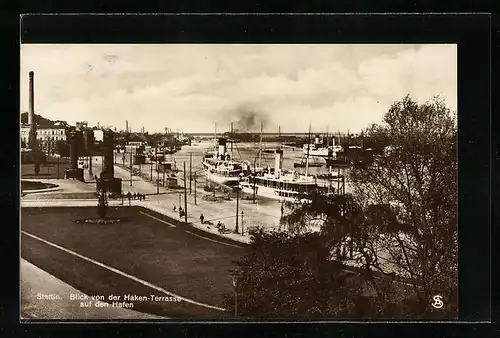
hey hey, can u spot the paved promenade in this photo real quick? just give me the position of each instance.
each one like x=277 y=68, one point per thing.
x=36 y=283
x=262 y=213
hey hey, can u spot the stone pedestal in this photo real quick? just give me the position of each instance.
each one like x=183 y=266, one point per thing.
x=74 y=174
x=112 y=185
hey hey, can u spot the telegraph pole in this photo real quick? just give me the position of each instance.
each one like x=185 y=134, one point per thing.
x=190 y=170
x=157 y=174
x=237 y=214
x=130 y=166
x=157 y=181
x=254 y=179
x=194 y=188
x=185 y=195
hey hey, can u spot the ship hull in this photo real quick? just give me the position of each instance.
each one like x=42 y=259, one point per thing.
x=271 y=193
x=225 y=180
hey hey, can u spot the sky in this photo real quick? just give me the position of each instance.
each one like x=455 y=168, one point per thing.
x=197 y=88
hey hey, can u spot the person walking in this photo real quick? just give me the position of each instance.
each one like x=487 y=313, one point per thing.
x=202 y=218
x=174 y=208
x=129 y=196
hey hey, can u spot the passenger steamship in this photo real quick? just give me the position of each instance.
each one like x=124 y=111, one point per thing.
x=318 y=149
x=222 y=169
x=280 y=184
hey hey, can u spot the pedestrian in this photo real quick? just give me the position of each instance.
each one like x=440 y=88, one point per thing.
x=202 y=218
x=175 y=208
x=135 y=195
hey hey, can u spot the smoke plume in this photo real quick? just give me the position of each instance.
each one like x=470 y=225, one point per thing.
x=248 y=119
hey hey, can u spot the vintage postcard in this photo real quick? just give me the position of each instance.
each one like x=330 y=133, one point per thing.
x=238 y=182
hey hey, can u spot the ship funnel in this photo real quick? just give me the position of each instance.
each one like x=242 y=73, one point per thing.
x=316 y=139
x=278 y=160
x=222 y=147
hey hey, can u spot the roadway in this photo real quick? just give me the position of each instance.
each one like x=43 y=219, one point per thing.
x=147 y=254
x=265 y=213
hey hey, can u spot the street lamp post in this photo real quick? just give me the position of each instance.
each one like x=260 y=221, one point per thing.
x=235 y=298
x=242 y=225
x=185 y=195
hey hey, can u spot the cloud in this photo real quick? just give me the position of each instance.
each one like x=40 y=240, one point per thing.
x=191 y=87
x=423 y=72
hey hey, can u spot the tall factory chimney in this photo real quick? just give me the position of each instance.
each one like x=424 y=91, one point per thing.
x=31 y=113
x=126 y=126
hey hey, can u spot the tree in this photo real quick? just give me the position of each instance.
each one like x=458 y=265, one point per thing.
x=291 y=276
x=414 y=184
x=401 y=219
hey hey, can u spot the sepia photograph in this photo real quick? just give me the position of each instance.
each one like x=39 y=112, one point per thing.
x=238 y=182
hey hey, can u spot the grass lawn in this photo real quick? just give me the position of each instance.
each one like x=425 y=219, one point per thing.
x=35 y=185
x=141 y=246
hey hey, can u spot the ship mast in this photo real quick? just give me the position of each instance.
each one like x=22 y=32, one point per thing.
x=215 y=135
x=308 y=145
x=327 y=138
x=260 y=151
x=279 y=136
